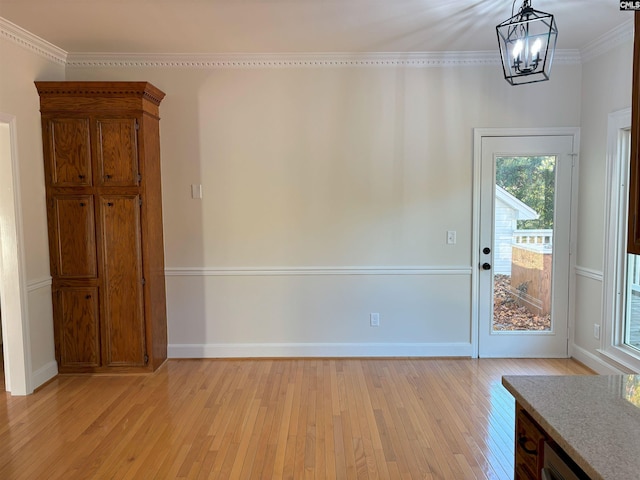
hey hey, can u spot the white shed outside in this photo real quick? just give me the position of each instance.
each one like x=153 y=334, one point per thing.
x=507 y=211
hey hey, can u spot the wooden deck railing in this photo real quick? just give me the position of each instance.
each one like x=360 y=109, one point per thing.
x=535 y=237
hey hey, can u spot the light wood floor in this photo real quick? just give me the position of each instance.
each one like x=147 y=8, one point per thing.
x=300 y=418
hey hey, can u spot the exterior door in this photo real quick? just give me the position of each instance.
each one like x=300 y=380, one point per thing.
x=524 y=245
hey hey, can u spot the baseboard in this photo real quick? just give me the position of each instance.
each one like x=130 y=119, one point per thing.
x=270 y=350
x=594 y=362
x=44 y=374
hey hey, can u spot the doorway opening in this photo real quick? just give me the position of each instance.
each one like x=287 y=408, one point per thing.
x=15 y=347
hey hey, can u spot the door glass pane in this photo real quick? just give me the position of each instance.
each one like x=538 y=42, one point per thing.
x=632 y=317
x=523 y=242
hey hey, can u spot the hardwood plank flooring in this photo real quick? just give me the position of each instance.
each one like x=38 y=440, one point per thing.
x=272 y=419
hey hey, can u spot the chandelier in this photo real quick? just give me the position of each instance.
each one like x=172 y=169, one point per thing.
x=527 y=42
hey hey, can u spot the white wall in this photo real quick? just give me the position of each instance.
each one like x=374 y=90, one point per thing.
x=19 y=98
x=327 y=195
x=606 y=88
x=316 y=182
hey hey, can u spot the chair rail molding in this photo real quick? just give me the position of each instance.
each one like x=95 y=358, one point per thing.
x=292 y=271
x=596 y=275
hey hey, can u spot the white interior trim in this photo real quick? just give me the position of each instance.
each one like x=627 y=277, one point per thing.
x=256 y=350
x=13 y=288
x=45 y=49
x=28 y=40
x=45 y=373
x=589 y=273
x=617 y=36
x=594 y=362
x=613 y=306
x=34 y=285
x=289 y=271
x=300 y=60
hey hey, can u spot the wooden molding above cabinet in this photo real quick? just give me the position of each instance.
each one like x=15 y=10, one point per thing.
x=101 y=145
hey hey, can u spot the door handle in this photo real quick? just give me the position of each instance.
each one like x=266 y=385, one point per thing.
x=486 y=266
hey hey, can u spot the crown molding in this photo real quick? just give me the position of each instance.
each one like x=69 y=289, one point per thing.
x=28 y=40
x=22 y=37
x=291 y=60
x=621 y=34
x=282 y=60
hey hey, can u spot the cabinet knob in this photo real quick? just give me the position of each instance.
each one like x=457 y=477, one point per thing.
x=82 y=204
x=107 y=177
x=81 y=177
x=109 y=204
x=88 y=297
x=523 y=441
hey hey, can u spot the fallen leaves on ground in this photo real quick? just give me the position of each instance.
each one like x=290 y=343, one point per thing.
x=508 y=315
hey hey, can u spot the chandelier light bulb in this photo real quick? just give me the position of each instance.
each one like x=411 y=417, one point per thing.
x=517 y=49
x=537 y=46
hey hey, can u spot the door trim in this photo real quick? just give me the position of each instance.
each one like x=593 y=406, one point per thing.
x=478 y=134
x=17 y=353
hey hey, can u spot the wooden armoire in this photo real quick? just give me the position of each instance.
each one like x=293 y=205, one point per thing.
x=104 y=208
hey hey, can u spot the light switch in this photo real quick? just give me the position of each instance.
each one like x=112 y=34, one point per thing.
x=451 y=237
x=196 y=191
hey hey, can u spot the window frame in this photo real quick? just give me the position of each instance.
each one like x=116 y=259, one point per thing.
x=612 y=335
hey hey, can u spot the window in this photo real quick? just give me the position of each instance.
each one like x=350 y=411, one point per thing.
x=632 y=303
x=620 y=335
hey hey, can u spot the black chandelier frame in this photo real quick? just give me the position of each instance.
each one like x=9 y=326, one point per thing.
x=527 y=43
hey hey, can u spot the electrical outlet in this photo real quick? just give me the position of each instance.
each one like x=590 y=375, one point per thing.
x=196 y=191
x=596 y=331
x=374 y=319
x=451 y=237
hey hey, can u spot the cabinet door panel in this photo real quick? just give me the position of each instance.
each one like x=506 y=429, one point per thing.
x=117 y=151
x=78 y=332
x=69 y=152
x=529 y=447
x=123 y=323
x=74 y=240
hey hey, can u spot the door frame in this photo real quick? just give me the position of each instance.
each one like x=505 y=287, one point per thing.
x=13 y=288
x=478 y=134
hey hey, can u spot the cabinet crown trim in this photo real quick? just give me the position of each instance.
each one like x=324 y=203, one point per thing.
x=143 y=90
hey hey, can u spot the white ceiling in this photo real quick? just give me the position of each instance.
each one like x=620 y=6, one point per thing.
x=296 y=26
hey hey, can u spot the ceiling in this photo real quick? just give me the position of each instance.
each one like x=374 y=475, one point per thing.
x=295 y=26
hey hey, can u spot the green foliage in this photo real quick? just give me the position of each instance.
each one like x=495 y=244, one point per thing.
x=532 y=181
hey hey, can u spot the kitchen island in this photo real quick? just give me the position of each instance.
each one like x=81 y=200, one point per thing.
x=593 y=419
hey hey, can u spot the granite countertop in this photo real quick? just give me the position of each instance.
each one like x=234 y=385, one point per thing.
x=595 y=419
